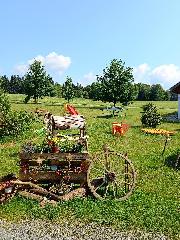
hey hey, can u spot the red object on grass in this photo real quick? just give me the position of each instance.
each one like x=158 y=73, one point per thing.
x=71 y=109
x=119 y=128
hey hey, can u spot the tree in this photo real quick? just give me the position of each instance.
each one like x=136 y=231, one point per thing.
x=78 y=90
x=157 y=93
x=143 y=91
x=37 y=83
x=16 y=84
x=116 y=83
x=67 y=89
x=4 y=83
x=94 y=91
x=58 y=90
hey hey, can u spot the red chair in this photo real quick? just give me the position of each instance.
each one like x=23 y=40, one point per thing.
x=119 y=128
x=71 y=109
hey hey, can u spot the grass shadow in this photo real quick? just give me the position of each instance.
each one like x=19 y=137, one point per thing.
x=76 y=106
x=105 y=116
x=14 y=154
x=170 y=117
x=172 y=160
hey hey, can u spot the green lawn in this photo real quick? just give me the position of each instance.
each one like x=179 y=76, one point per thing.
x=155 y=204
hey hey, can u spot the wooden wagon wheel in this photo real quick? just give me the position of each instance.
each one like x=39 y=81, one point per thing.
x=111 y=176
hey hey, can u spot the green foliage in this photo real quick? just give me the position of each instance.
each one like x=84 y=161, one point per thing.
x=143 y=91
x=4 y=83
x=58 y=90
x=78 y=90
x=94 y=91
x=37 y=83
x=153 y=92
x=150 y=117
x=16 y=84
x=48 y=146
x=16 y=123
x=4 y=105
x=157 y=93
x=68 y=89
x=69 y=146
x=13 y=122
x=116 y=83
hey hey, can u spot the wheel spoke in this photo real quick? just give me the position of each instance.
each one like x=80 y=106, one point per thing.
x=114 y=189
x=107 y=187
x=98 y=187
x=112 y=178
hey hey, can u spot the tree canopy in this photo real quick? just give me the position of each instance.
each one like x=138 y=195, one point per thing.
x=116 y=83
x=157 y=93
x=37 y=83
x=68 y=89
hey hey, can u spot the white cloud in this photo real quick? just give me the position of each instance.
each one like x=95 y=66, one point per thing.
x=88 y=79
x=141 y=73
x=53 y=62
x=142 y=69
x=21 y=69
x=167 y=75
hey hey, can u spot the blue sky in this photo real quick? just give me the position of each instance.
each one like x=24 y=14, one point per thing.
x=79 y=38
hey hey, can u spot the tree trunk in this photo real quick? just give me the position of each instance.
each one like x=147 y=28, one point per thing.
x=114 y=106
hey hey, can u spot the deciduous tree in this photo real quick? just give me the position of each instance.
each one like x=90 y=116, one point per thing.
x=68 y=89
x=116 y=83
x=4 y=83
x=37 y=83
x=157 y=93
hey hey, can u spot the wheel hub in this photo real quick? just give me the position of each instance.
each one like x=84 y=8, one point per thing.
x=110 y=176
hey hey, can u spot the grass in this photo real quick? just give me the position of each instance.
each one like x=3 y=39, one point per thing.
x=154 y=205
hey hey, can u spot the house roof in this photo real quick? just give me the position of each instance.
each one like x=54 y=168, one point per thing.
x=175 y=88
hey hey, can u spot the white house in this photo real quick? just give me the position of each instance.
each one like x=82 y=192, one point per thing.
x=176 y=89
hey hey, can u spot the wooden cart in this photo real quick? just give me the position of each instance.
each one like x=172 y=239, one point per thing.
x=107 y=175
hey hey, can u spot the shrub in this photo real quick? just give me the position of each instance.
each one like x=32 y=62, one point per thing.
x=12 y=123
x=16 y=123
x=150 y=116
x=4 y=106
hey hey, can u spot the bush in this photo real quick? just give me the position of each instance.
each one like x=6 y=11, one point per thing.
x=150 y=117
x=12 y=123
x=4 y=106
x=16 y=123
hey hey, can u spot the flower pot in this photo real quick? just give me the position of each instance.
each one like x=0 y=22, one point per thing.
x=55 y=149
